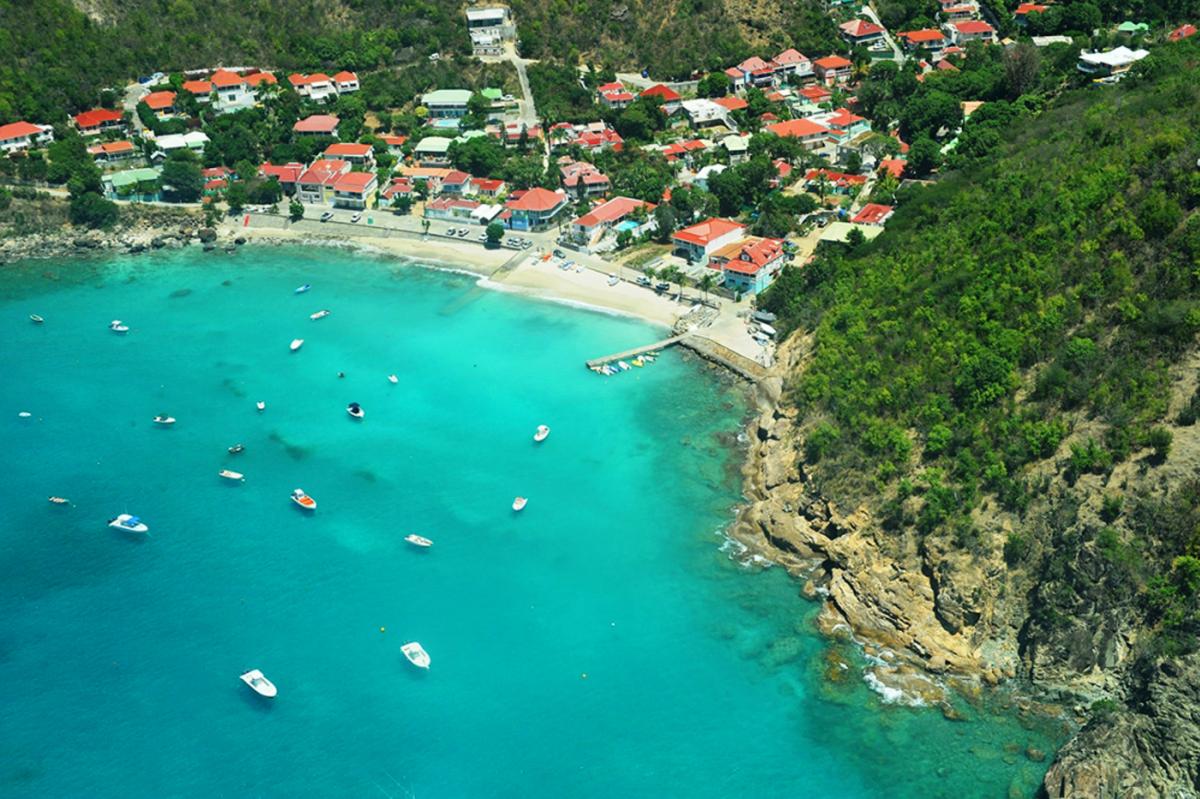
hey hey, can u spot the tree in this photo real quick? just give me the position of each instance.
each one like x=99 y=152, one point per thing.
x=91 y=210
x=1022 y=64
x=425 y=227
x=295 y=210
x=854 y=162
x=623 y=239
x=929 y=112
x=264 y=192
x=714 y=84
x=495 y=234
x=481 y=156
x=664 y=218
x=707 y=282
x=236 y=196
x=182 y=179
x=402 y=204
x=923 y=157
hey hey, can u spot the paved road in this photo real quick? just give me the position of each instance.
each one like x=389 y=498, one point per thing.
x=134 y=92
x=527 y=111
x=897 y=53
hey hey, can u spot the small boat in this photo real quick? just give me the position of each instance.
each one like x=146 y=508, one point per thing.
x=60 y=501
x=236 y=448
x=416 y=654
x=393 y=379
x=24 y=414
x=624 y=367
x=542 y=432
x=259 y=682
x=638 y=362
x=262 y=406
x=613 y=280
x=164 y=420
x=355 y=410
x=129 y=523
x=519 y=503
x=117 y=326
x=230 y=475
x=767 y=329
x=37 y=320
x=318 y=315
x=297 y=343
x=303 y=500
x=303 y=289
x=418 y=541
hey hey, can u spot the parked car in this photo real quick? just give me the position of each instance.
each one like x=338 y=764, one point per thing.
x=325 y=217
x=450 y=231
x=462 y=232
x=662 y=286
x=643 y=281
x=356 y=217
x=482 y=236
x=559 y=254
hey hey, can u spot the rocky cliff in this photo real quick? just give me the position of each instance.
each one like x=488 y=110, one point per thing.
x=1059 y=610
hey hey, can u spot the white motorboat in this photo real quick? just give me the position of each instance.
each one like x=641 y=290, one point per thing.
x=117 y=326
x=303 y=500
x=306 y=287
x=355 y=410
x=24 y=414
x=164 y=420
x=318 y=315
x=297 y=343
x=416 y=654
x=37 y=320
x=232 y=475
x=418 y=540
x=259 y=682
x=519 y=503
x=60 y=500
x=542 y=432
x=624 y=367
x=236 y=448
x=262 y=406
x=393 y=379
x=131 y=524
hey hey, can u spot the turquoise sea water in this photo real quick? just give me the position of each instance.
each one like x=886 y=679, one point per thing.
x=119 y=656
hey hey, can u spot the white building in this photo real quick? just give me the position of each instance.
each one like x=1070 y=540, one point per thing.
x=447 y=103
x=23 y=135
x=490 y=29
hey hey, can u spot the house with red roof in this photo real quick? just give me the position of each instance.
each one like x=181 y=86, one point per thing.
x=161 y=103
x=814 y=95
x=315 y=185
x=18 y=136
x=783 y=173
x=317 y=125
x=811 y=134
x=400 y=187
x=535 y=209
x=749 y=265
x=287 y=174
x=861 y=31
x=697 y=242
x=362 y=155
x=971 y=30
x=112 y=152
x=833 y=69
x=684 y=149
x=960 y=12
x=453 y=209
x=792 y=62
x=598 y=228
x=893 y=167
x=1182 y=32
x=923 y=39
x=826 y=181
x=873 y=214
x=97 y=121
x=317 y=87
x=346 y=82
x=670 y=98
x=731 y=103
x=355 y=190
x=235 y=92
x=844 y=122
x=490 y=188
x=456 y=182
x=199 y=89
x=582 y=179
x=616 y=100
x=1022 y=12
x=395 y=143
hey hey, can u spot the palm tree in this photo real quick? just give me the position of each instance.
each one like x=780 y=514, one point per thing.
x=707 y=283
x=672 y=274
x=425 y=227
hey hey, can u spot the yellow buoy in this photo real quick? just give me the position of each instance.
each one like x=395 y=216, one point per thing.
x=383 y=629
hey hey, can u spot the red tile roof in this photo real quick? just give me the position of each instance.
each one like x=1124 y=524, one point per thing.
x=355 y=182
x=317 y=123
x=97 y=116
x=398 y=186
x=769 y=117
x=223 y=79
x=345 y=76
x=16 y=130
x=325 y=171
x=800 y=128
x=731 y=103
x=748 y=256
x=754 y=63
x=1029 y=8
x=667 y=94
x=393 y=141
x=343 y=149
x=923 y=36
x=704 y=233
x=789 y=57
x=287 y=173
x=973 y=26
x=456 y=177
x=108 y=148
x=489 y=185
x=873 y=214
x=216 y=172
x=260 y=77
x=835 y=178
x=537 y=200
x=832 y=62
x=859 y=28
x=615 y=86
x=1182 y=32
x=198 y=86
x=159 y=100
x=894 y=166
x=842 y=118
x=817 y=94
x=611 y=211
x=618 y=97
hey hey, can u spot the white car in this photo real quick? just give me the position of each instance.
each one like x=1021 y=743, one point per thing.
x=356 y=217
x=325 y=217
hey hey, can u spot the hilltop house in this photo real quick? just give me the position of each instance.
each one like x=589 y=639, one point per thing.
x=791 y=63
x=113 y=152
x=697 y=242
x=748 y=265
x=873 y=214
x=17 y=136
x=161 y=103
x=489 y=29
x=446 y=103
x=930 y=39
x=318 y=87
x=97 y=121
x=433 y=151
x=317 y=125
x=235 y=92
x=199 y=89
x=670 y=98
x=833 y=69
x=581 y=179
x=971 y=30
x=861 y=32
